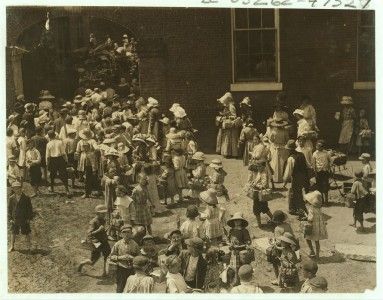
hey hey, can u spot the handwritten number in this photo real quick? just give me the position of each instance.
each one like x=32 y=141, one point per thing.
x=286 y=2
x=246 y=2
x=258 y=2
x=234 y=1
x=210 y=1
x=367 y=3
x=313 y=2
x=351 y=4
x=327 y=2
x=339 y=3
x=275 y=2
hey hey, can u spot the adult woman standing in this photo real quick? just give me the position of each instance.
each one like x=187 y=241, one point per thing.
x=347 y=117
x=228 y=135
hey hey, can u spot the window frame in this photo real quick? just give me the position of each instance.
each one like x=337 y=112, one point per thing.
x=359 y=84
x=247 y=85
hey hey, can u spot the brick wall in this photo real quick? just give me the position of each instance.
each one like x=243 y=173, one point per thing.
x=186 y=58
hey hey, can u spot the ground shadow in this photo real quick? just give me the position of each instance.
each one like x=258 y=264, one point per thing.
x=108 y=280
x=165 y=213
x=371 y=220
x=39 y=251
x=326 y=217
x=336 y=258
x=367 y=230
x=336 y=204
x=267 y=289
x=341 y=177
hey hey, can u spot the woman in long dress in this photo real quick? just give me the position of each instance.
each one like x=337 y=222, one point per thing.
x=347 y=117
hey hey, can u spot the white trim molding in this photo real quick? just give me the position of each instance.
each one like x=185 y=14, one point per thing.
x=256 y=86
x=364 y=85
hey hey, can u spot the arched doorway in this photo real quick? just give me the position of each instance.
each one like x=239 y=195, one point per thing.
x=55 y=57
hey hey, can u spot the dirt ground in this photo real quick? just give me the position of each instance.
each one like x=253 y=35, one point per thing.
x=62 y=226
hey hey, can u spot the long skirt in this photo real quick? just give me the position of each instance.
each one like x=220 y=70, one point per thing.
x=346 y=131
x=35 y=174
x=279 y=157
x=229 y=145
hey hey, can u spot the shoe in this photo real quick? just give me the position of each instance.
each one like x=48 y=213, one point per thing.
x=312 y=255
x=11 y=249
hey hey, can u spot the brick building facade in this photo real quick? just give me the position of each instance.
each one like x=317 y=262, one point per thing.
x=187 y=56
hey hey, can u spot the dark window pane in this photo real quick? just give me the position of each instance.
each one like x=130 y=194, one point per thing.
x=254 y=18
x=268 y=41
x=242 y=67
x=241 y=18
x=255 y=42
x=366 y=54
x=268 y=18
x=241 y=42
x=367 y=18
x=262 y=67
x=254 y=63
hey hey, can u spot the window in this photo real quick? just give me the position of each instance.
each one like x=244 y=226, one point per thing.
x=255 y=45
x=366 y=47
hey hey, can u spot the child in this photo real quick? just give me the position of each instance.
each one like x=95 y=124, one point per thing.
x=179 y=162
x=310 y=269
x=322 y=167
x=238 y=234
x=98 y=238
x=315 y=217
x=149 y=250
x=190 y=228
x=297 y=171
x=110 y=181
x=142 y=204
x=259 y=184
x=217 y=179
x=175 y=282
x=197 y=183
x=245 y=140
x=13 y=173
x=125 y=205
x=139 y=282
x=247 y=285
x=361 y=199
x=168 y=180
x=32 y=162
x=367 y=170
x=319 y=284
x=22 y=143
x=70 y=145
x=152 y=189
x=364 y=134
x=212 y=227
x=115 y=225
x=190 y=147
x=288 y=271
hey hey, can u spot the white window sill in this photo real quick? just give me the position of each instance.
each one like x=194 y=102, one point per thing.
x=364 y=85
x=256 y=86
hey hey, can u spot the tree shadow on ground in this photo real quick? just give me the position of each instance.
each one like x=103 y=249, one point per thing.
x=371 y=220
x=367 y=230
x=336 y=258
x=38 y=251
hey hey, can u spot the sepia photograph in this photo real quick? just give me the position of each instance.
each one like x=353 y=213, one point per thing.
x=193 y=150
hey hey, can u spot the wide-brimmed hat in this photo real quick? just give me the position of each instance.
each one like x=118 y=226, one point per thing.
x=126 y=227
x=152 y=102
x=278 y=217
x=67 y=104
x=246 y=101
x=192 y=211
x=16 y=184
x=112 y=152
x=237 y=216
x=30 y=106
x=278 y=123
x=209 y=196
x=86 y=134
x=43 y=119
x=101 y=208
x=195 y=242
x=71 y=130
x=151 y=139
x=288 y=238
x=20 y=98
x=164 y=120
x=148 y=237
x=174 y=106
x=298 y=112
x=88 y=92
x=179 y=112
x=140 y=262
x=46 y=95
x=198 y=156
x=314 y=198
x=226 y=99
x=291 y=145
x=139 y=138
x=346 y=100
x=108 y=141
x=77 y=99
x=365 y=156
x=121 y=148
x=216 y=163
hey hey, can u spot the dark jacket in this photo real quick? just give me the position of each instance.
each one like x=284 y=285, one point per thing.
x=300 y=174
x=20 y=211
x=201 y=268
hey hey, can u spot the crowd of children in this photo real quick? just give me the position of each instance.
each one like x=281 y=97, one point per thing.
x=144 y=163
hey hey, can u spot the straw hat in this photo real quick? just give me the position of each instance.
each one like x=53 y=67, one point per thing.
x=112 y=152
x=16 y=184
x=298 y=112
x=126 y=227
x=216 y=163
x=165 y=120
x=179 y=112
x=86 y=134
x=237 y=216
x=81 y=114
x=108 y=141
x=77 y=99
x=198 y=156
x=29 y=106
x=152 y=102
x=46 y=95
x=346 y=100
x=288 y=238
x=150 y=139
x=365 y=156
x=100 y=208
x=246 y=101
x=226 y=99
x=148 y=237
x=121 y=148
x=67 y=104
x=88 y=92
x=209 y=196
x=71 y=130
x=278 y=123
x=174 y=106
x=314 y=198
